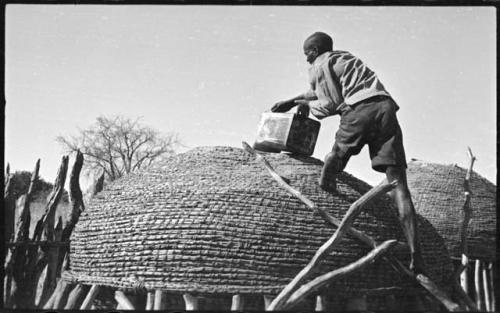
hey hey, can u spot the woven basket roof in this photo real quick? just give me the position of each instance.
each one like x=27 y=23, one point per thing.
x=212 y=220
x=438 y=193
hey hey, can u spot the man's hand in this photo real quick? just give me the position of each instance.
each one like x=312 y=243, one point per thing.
x=302 y=108
x=283 y=106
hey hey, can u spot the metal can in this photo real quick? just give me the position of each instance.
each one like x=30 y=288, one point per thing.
x=287 y=132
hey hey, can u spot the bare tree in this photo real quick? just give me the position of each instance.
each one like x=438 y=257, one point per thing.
x=118 y=145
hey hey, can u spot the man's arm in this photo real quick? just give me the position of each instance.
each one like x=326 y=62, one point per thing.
x=286 y=105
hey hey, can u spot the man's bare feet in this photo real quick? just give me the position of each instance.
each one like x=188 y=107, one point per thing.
x=328 y=183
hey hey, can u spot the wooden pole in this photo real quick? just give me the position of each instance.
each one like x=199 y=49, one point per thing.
x=331 y=243
x=7 y=173
x=75 y=196
x=123 y=301
x=62 y=296
x=75 y=297
x=47 y=226
x=159 y=300
x=320 y=303
x=237 y=303
x=9 y=207
x=23 y=226
x=462 y=296
x=464 y=280
x=52 y=263
x=150 y=301
x=190 y=301
x=36 y=270
x=36 y=266
x=486 y=287
x=7 y=285
x=65 y=261
x=87 y=302
x=434 y=290
x=37 y=292
x=16 y=257
x=55 y=196
x=477 y=284
x=467 y=214
x=491 y=281
x=50 y=302
x=268 y=299
x=313 y=286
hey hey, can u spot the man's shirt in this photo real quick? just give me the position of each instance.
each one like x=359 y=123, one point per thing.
x=339 y=78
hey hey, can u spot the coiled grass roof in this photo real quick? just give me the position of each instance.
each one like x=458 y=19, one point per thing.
x=438 y=194
x=212 y=220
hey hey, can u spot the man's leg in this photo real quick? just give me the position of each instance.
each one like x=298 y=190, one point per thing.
x=333 y=165
x=407 y=215
x=349 y=140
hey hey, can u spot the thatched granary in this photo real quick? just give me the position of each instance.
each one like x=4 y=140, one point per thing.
x=213 y=223
x=438 y=194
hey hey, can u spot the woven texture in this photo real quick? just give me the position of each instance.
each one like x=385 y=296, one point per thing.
x=438 y=194
x=212 y=220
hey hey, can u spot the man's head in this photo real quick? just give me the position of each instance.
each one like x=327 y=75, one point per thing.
x=317 y=44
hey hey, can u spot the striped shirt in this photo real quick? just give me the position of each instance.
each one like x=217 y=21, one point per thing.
x=338 y=77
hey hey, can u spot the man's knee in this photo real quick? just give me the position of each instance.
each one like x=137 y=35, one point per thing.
x=396 y=173
x=333 y=163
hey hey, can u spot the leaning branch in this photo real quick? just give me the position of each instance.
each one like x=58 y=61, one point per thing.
x=396 y=264
x=328 y=278
x=460 y=280
x=325 y=215
x=331 y=243
x=466 y=207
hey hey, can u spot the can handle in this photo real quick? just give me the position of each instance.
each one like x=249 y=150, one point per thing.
x=303 y=110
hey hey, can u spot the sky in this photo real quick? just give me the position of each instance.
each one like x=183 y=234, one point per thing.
x=208 y=72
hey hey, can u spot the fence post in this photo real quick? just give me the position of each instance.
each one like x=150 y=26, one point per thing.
x=16 y=257
x=9 y=206
x=46 y=225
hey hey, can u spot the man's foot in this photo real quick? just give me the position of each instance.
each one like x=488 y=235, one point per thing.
x=328 y=183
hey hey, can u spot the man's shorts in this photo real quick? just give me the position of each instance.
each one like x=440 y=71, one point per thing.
x=372 y=121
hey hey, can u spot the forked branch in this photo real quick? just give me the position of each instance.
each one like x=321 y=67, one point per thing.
x=314 y=285
x=330 y=244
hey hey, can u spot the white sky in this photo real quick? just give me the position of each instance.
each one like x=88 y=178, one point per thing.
x=207 y=72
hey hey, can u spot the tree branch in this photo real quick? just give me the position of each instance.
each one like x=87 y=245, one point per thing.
x=396 y=264
x=466 y=207
x=327 y=217
x=329 y=245
x=114 y=144
x=328 y=278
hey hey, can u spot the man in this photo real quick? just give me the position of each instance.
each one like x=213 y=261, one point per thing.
x=342 y=84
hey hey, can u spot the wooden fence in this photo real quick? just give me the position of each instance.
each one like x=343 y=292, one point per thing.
x=477 y=280
x=33 y=264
